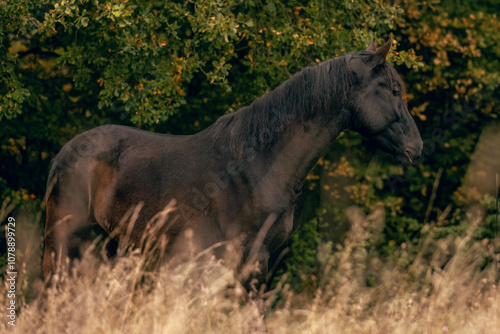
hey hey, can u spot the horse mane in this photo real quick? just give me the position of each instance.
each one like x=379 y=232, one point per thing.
x=322 y=88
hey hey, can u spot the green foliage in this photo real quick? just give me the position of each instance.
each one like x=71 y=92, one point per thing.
x=302 y=265
x=144 y=55
x=12 y=90
x=452 y=95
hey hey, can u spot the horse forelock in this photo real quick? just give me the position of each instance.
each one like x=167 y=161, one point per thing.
x=394 y=76
x=388 y=70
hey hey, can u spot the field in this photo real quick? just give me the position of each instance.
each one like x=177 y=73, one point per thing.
x=448 y=287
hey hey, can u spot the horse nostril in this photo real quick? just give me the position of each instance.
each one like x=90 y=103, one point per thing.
x=415 y=156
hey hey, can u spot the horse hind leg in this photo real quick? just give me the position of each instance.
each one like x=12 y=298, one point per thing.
x=66 y=229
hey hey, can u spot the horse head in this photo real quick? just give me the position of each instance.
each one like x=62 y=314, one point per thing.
x=378 y=105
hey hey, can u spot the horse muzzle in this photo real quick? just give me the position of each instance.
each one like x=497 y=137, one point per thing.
x=411 y=154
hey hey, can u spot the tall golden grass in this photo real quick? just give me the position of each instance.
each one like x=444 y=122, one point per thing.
x=446 y=288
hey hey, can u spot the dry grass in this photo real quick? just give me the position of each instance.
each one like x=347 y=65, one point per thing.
x=442 y=291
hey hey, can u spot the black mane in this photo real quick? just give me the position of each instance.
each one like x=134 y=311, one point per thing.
x=318 y=89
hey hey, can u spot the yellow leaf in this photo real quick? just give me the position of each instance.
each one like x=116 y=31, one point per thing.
x=283 y=62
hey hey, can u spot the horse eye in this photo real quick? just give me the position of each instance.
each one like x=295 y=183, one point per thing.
x=396 y=92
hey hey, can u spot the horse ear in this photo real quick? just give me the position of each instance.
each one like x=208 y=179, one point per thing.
x=380 y=55
x=372 y=47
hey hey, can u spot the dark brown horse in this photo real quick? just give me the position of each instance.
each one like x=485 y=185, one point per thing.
x=240 y=178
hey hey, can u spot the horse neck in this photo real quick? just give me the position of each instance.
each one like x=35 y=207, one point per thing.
x=299 y=135
x=287 y=162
